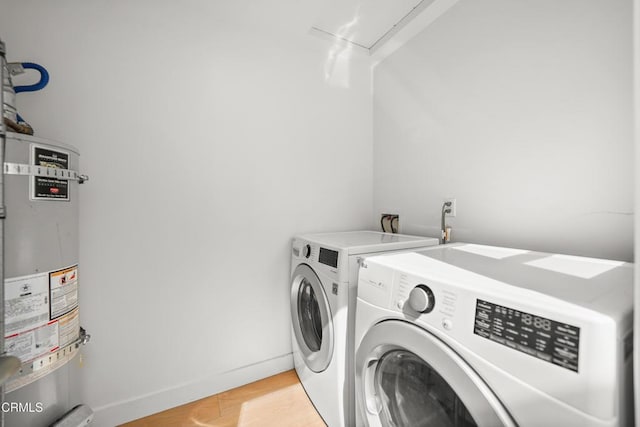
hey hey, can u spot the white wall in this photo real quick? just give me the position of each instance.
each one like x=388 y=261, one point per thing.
x=211 y=137
x=636 y=74
x=522 y=110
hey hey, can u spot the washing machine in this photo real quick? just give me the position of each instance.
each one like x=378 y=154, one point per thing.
x=324 y=272
x=472 y=335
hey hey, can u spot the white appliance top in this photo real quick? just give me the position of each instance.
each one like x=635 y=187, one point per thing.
x=604 y=286
x=360 y=242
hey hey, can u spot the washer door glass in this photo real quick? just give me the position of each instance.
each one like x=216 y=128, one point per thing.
x=309 y=315
x=408 y=377
x=311 y=318
x=414 y=394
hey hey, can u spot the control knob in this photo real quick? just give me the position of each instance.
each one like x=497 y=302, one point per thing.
x=421 y=299
x=306 y=251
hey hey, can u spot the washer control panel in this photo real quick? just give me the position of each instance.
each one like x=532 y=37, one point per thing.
x=546 y=339
x=416 y=298
x=430 y=300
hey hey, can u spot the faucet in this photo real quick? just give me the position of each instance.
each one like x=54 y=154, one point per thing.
x=446 y=209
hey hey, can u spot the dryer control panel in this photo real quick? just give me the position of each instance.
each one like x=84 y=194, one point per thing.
x=311 y=252
x=328 y=257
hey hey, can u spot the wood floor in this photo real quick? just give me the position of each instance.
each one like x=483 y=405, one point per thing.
x=277 y=401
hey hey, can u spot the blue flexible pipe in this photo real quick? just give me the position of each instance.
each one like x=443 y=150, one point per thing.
x=44 y=78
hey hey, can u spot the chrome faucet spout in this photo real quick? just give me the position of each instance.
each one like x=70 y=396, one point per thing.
x=446 y=209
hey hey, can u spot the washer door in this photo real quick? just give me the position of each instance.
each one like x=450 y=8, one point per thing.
x=405 y=376
x=311 y=318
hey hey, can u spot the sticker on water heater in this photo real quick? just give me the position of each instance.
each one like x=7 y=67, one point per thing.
x=35 y=343
x=26 y=302
x=69 y=328
x=41 y=342
x=63 y=287
x=49 y=188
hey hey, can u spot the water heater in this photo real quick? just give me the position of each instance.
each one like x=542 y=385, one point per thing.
x=41 y=279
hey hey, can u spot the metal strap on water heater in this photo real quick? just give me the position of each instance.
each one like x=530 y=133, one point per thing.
x=44 y=365
x=33 y=170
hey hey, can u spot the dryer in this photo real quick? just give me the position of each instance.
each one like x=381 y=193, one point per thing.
x=472 y=335
x=324 y=270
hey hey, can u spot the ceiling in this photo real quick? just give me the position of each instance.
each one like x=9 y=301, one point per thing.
x=367 y=24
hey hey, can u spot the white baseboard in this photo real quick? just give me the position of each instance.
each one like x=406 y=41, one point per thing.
x=117 y=413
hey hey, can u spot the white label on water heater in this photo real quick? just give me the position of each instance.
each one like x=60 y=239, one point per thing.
x=26 y=302
x=49 y=188
x=41 y=312
x=64 y=291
